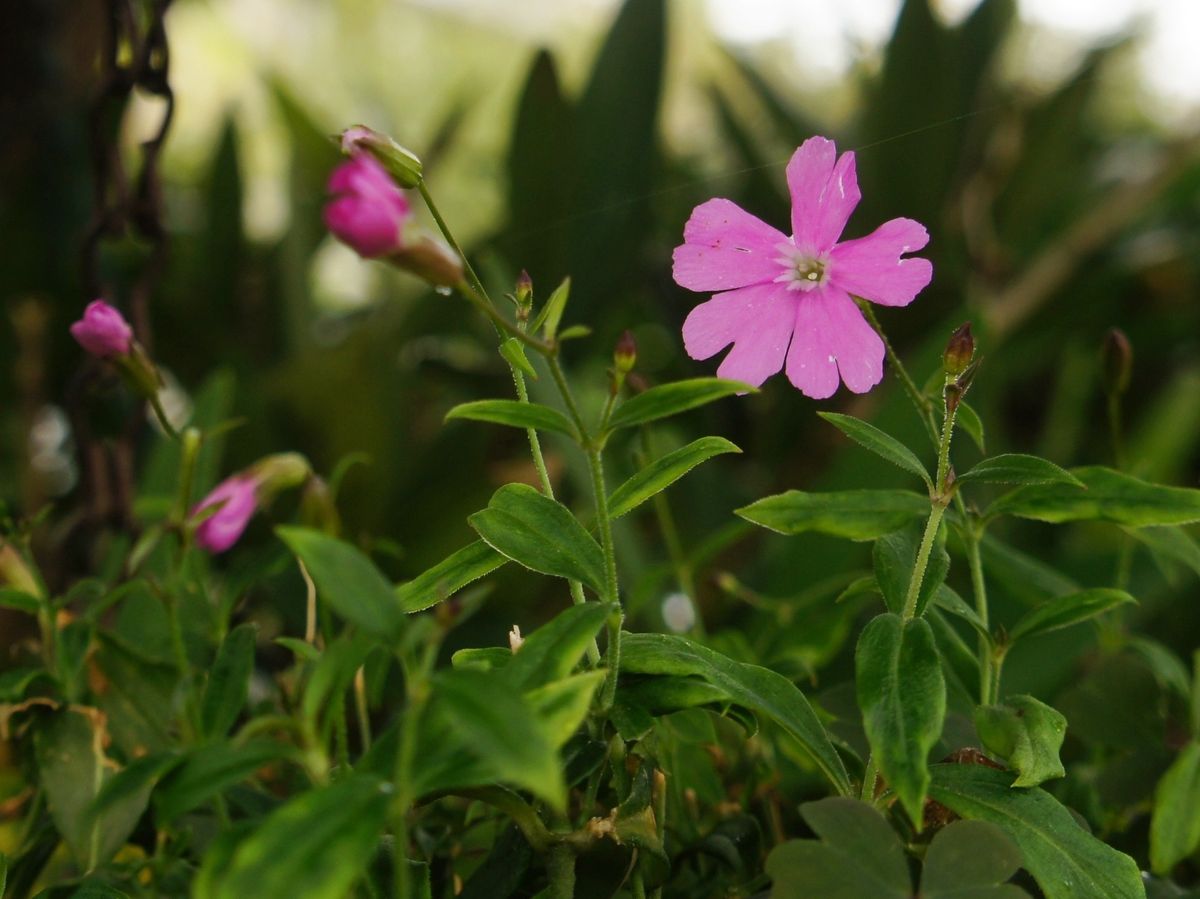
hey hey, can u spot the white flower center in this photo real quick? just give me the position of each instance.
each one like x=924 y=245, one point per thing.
x=801 y=271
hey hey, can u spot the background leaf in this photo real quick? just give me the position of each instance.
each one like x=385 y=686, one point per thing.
x=854 y=514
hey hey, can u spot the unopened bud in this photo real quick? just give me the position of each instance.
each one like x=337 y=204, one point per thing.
x=959 y=351
x=278 y=472
x=429 y=258
x=515 y=640
x=524 y=290
x=402 y=164
x=1116 y=356
x=625 y=353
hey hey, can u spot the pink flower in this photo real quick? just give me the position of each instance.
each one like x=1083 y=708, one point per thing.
x=103 y=331
x=238 y=496
x=368 y=211
x=784 y=302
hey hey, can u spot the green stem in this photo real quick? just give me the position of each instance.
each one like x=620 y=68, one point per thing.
x=870 y=779
x=987 y=674
x=560 y=871
x=360 y=705
x=190 y=449
x=918 y=575
x=417 y=690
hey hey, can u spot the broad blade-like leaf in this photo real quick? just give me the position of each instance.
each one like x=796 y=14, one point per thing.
x=759 y=689
x=671 y=399
x=1175 y=825
x=315 y=846
x=208 y=770
x=1016 y=468
x=662 y=473
x=515 y=415
x=1027 y=734
x=971 y=860
x=880 y=443
x=228 y=681
x=854 y=514
x=1065 y=860
x=1064 y=611
x=1110 y=496
x=449 y=576
x=347 y=580
x=540 y=533
x=903 y=700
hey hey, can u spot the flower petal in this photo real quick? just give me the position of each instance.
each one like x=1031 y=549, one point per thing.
x=758 y=321
x=823 y=194
x=832 y=339
x=726 y=247
x=871 y=267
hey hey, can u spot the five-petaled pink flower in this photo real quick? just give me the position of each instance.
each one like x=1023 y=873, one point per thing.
x=785 y=302
x=103 y=331
x=238 y=499
x=368 y=211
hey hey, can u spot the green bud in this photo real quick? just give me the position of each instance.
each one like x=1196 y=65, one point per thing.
x=959 y=351
x=276 y=473
x=1116 y=356
x=524 y=290
x=402 y=164
x=16 y=573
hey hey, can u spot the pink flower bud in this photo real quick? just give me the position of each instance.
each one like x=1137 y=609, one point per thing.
x=368 y=211
x=103 y=331
x=238 y=499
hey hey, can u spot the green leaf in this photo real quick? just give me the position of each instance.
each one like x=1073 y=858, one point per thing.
x=1016 y=468
x=554 y=649
x=228 y=681
x=477 y=730
x=968 y=419
x=1170 y=543
x=662 y=473
x=72 y=769
x=1110 y=496
x=880 y=443
x=313 y=847
x=513 y=352
x=515 y=415
x=1027 y=734
x=540 y=533
x=895 y=556
x=1175 y=824
x=756 y=688
x=970 y=860
x=858 y=855
x=1065 y=860
x=19 y=600
x=449 y=576
x=207 y=771
x=562 y=705
x=552 y=312
x=347 y=580
x=950 y=601
x=671 y=399
x=299 y=648
x=854 y=514
x=1063 y=611
x=903 y=700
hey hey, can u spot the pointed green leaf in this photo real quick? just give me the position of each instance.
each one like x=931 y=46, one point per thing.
x=1063 y=611
x=347 y=580
x=758 y=689
x=662 y=473
x=513 y=352
x=515 y=415
x=1110 y=496
x=449 y=576
x=540 y=534
x=1065 y=860
x=880 y=443
x=671 y=399
x=312 y=847
x=1016 y=468
x=895 y=556
x=948 y=599
x=854 y=514
x=554 y=649
x=562 y=705
x=1027 y=735
x=1175 y=824
x=228 y=681
x=968 y=419
x=552 y=312
x=903 y=700
x=208 y=770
